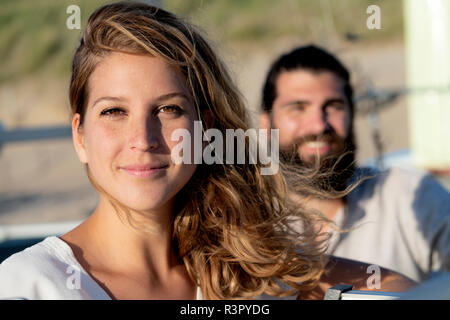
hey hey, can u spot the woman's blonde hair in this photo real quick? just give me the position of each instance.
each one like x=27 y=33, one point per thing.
x=232 y=225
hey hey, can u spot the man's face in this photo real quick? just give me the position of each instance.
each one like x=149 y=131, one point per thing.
x=312 y=114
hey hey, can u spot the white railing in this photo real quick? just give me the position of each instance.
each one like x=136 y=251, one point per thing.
x=39 y=230
x=33 y=134
x=35 y=230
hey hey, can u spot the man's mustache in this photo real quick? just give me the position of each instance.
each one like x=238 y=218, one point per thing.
x=328 y=136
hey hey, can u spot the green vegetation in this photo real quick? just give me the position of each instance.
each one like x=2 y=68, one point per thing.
x=262 y=21
x=34 y=36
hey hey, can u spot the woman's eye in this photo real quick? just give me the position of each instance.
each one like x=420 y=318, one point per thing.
x=170 y=109
x=112 y=112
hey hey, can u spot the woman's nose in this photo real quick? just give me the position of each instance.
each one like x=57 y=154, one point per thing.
x=143 y=136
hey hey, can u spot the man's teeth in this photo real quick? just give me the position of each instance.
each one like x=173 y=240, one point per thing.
x=316 y=144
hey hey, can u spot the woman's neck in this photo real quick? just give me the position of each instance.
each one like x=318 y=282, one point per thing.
x=145 y=239
x=108 y=247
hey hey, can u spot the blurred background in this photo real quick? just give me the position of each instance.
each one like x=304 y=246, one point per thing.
x=401 y=84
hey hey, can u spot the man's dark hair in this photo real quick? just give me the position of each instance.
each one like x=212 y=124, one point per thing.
x=310 y=58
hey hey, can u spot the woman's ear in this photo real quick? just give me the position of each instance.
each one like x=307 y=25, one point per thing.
x=78 y=138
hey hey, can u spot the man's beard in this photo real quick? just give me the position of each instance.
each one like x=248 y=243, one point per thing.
x=334 y=170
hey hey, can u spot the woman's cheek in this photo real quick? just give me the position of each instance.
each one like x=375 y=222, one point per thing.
x=168 y=129
x=103 y=142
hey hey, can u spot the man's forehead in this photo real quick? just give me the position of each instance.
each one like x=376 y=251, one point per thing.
x=308 y=82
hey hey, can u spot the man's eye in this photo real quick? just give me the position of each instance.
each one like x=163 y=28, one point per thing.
x=339 y=105
x=297 y=108
x=113 y=112
x=336 y=107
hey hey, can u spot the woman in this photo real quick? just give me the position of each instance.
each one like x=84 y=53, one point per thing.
x=165 y=229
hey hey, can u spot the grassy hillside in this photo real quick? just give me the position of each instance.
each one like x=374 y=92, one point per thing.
x=266 y=20
x=34 y=36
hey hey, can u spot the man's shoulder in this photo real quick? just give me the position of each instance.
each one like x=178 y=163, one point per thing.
x=405 y=178
x=412 y=187
x=393 y=185
x=406 y=174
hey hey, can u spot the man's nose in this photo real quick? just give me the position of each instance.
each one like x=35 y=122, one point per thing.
x=318 y=122
x=143 y=135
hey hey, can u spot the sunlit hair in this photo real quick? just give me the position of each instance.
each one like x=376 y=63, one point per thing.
x=231 y=226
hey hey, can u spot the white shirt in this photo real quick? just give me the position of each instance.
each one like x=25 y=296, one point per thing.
x=400 y=220
x=49 y=270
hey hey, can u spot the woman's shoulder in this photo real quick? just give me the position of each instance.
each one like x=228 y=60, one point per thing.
x=46 y=270
x=43 y=249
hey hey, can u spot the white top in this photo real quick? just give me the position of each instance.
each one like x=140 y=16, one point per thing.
x=401 y=221
x=49 y=270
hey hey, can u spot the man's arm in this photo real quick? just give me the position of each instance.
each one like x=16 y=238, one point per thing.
x=346 y=271
x=431 y=206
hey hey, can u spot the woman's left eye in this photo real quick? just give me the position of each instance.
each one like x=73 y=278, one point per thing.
x=112 y=112
x=170 y=109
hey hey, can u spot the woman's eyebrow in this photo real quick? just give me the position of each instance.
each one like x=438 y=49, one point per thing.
x=171 y=95
x=159 y=99
x=116 y=99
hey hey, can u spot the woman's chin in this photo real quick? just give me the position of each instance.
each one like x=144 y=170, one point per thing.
x=142 y=203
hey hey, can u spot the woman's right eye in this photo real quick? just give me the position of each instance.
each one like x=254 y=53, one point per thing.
x=113 y=112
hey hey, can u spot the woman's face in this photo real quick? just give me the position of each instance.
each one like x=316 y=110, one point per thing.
x=135 y=103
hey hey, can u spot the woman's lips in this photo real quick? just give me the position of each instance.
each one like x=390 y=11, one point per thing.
x=144 y=171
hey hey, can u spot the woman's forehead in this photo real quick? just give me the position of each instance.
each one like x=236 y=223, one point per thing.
x=122 y=74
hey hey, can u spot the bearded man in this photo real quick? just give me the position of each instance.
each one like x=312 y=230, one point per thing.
x=397 y=219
